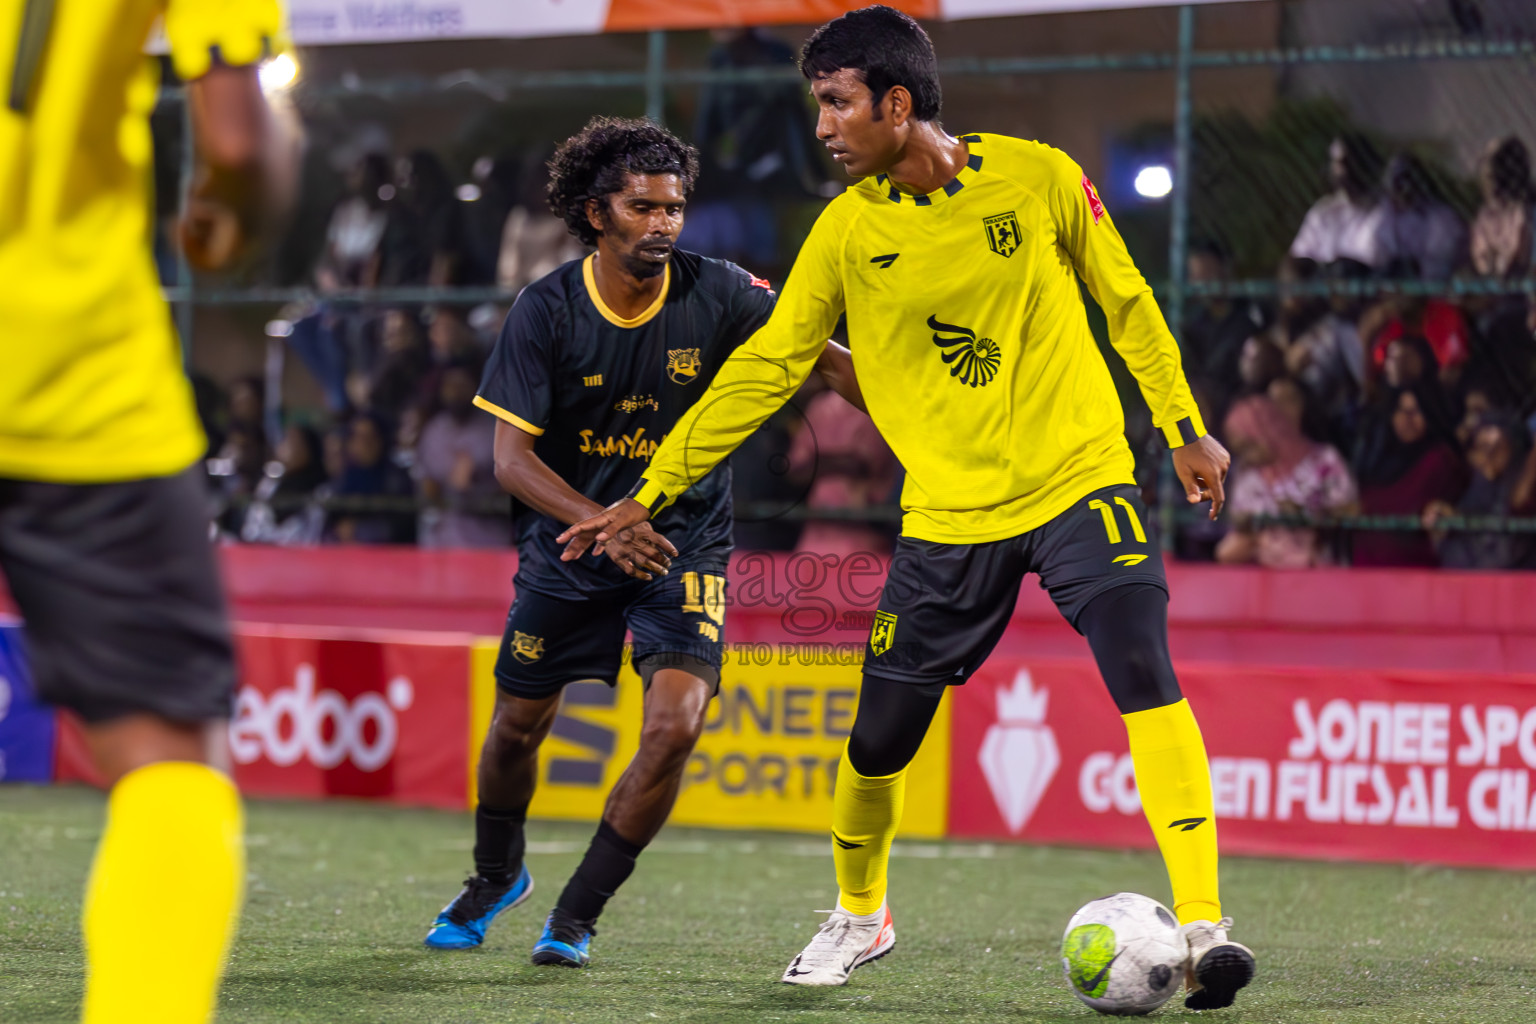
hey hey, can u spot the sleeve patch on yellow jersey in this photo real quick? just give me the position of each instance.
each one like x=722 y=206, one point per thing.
x=1094 y=202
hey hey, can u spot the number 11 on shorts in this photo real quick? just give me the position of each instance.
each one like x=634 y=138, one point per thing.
x=1111 y=527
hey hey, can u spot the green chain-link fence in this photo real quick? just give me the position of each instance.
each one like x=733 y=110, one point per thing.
x=1239 y=102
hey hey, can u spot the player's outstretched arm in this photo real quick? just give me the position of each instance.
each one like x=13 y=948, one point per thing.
x=755 y=380
x=758 y=378
x=636 y=548
x=836 y=368
x=247 y=167
x=749 y=388
x=1202 y=468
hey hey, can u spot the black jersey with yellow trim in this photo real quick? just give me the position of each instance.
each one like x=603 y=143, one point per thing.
x=600 y=392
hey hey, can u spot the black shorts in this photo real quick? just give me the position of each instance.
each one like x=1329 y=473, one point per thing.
x=945 y=606
x=120 y=592
x=678 y=621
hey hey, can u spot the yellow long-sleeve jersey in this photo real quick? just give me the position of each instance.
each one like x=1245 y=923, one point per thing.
x=91 y=383
x=970 y=341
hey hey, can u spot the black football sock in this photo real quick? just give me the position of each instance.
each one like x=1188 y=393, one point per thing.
x=609 y=861
x=499 y=843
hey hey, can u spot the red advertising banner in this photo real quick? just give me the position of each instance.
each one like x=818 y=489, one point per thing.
x=339 y=716
x=354 y=718
x=1331 y=764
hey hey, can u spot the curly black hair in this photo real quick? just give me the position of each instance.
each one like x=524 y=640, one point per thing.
x=592 y=163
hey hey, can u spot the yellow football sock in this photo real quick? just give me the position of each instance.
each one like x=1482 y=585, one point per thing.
x=1175 y=783
x=865 y=815
x=164 y=896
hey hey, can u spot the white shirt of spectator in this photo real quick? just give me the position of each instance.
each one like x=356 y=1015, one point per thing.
x=355 y=231
x=533 y=245
x=1336 y=229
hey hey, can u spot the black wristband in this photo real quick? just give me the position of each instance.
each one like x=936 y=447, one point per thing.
x=655 y=506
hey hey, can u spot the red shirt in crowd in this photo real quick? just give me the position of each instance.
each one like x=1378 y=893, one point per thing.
x=1444 y=328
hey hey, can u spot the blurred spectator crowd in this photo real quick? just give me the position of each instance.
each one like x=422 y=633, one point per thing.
x=1338 y=396
x=1347 y=398
x=398 y=454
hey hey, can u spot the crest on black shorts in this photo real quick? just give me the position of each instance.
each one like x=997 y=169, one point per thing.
x=1003 y=234
x=683 y=364
x=974 y=360
x=527 y=648
x=883 y=633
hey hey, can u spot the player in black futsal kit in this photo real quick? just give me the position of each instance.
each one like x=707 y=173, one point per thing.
x=595 y=364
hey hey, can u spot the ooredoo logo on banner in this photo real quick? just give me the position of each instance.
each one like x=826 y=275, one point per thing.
x=1360 y=765
x=325 y=728
x=334 y=717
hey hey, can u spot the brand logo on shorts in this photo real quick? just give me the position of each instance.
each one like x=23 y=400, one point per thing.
x=527 y=648
x=683 y=364
x=883 y=633
x=1129 y=559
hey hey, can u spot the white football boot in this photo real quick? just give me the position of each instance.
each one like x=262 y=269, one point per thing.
x=1218 y=967
x=843 y=942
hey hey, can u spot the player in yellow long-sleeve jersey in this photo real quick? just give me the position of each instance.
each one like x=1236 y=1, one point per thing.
x=957 y=261
x=103 y=530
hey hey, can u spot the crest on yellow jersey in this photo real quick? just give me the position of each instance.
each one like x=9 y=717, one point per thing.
x=526 y=647
x=972 y=360
x=1003 y=235
x=683 y=364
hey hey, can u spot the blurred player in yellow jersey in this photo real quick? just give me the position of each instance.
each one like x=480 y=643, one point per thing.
x=957 y=261
x=104 y=537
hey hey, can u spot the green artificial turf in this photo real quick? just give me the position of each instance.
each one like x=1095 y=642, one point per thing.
x=340 y=895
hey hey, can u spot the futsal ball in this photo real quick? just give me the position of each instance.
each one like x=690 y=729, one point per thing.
x=1124 y=954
